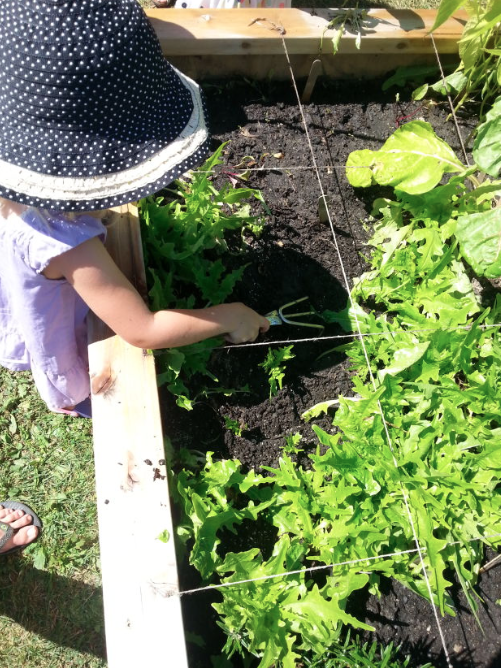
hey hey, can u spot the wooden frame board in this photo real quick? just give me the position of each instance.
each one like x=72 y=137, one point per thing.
x=248 y=42
x=143 y=619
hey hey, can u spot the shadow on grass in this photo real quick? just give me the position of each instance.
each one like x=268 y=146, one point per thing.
x=65 y=611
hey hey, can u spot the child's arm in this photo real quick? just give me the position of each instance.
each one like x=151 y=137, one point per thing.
x=97 y=279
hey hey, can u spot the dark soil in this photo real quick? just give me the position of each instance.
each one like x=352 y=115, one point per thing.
x=297 y=257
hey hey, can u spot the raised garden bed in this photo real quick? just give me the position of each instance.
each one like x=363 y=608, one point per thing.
x=294 y=258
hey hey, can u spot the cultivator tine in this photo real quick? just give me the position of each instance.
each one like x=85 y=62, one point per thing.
x=279 y=317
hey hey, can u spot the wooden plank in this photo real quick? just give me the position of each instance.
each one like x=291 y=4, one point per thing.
x=143 y=623
x=246 y=31
x=275 y=68
x=232 y=42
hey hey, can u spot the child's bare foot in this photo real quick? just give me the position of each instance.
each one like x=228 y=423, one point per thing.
x=17 y=529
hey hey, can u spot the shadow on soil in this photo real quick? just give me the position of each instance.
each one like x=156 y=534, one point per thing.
x=404 y=618
x=275 y=276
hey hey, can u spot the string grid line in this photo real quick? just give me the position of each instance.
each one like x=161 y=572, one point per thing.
x=312 y=569
x=403 y=490
x=352 y=335
x=449 y=99
x=281 y=168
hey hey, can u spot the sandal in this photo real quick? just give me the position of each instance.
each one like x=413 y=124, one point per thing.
x=9 y=531
x=83 y=409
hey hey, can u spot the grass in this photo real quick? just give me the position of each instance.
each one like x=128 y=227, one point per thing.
x=50 y=597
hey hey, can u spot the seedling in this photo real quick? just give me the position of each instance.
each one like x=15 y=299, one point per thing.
x=234 y=426
x=274 y=365
x=291 y=443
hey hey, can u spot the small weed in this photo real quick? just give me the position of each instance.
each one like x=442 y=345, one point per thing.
x=291 y=443
x=274 y=365
x=234 y=426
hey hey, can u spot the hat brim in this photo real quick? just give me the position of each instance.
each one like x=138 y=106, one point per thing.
x=87 y=193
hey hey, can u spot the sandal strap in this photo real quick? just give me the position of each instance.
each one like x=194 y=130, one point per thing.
x=8 y=531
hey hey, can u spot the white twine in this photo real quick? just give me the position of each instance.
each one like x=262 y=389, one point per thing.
x=405 y=496
x=279 y=168
x=449 y=99
x=299 y=571
x=352 y=335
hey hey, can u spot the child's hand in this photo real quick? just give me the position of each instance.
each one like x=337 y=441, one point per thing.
x=244 y=323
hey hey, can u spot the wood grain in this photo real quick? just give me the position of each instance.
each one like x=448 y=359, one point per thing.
x=143 y=621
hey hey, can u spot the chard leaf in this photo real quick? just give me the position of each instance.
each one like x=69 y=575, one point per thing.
x=470 y=47
x=479 y=235
x=452 y=84
x=487 y=20
x=445 y=11
x=358 y=168
x=412 y=160
x=420 y=92
x=487 y=145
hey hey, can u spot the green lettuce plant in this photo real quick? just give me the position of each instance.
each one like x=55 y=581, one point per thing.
x=274 y=365
x=234 y=426
x=184 y=232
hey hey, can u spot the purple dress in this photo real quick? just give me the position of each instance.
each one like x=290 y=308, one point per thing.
x=42 y=321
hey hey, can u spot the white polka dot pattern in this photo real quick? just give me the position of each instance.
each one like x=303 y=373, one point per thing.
x=91 y=114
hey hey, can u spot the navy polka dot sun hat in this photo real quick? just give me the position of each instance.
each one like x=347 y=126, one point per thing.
x=91 y=114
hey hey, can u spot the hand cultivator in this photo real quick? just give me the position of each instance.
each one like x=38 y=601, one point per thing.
x=278 y=317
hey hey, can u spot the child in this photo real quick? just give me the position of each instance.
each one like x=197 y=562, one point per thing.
x=92 y=116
